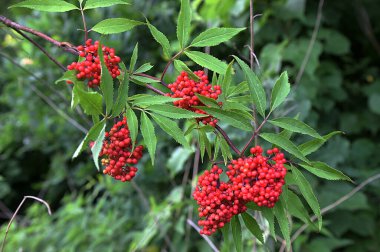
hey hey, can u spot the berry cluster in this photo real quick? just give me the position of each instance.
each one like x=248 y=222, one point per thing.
x=186 y=88
x=117 y=154
x=217 y=201
x=256 y=179
x=90 y=68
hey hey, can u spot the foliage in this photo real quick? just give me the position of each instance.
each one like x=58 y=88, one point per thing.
x=322 y=99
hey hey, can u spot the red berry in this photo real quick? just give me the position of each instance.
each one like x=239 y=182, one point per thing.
x=117 y=154
x=90 y=69
x=257 y=179
x=186 y=88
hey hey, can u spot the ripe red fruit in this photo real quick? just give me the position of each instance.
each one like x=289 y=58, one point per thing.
x=186 y=88
x=257 y=179
x=90 y=68
x=117 y=154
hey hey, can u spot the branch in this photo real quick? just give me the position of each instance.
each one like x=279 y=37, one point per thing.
x=254 y=135
x=63 y=45
x=154 y=89
x=15 y=213
x=41 y=49
x=169 y=63
x=311 y=43
x=84 y=22
x=226 y=137
x=210 y=243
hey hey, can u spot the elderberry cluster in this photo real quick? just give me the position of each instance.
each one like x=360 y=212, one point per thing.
x=90 y=68
x=186 y=88
x=117 y=154
x=257 y=179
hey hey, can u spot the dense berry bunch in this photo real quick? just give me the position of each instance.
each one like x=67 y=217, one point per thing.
x=257 y=179
x=117 y=154
x=186 y=88
x=217 y=201
x=90 y=68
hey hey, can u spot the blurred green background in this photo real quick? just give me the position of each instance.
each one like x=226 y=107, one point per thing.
x=339 y=90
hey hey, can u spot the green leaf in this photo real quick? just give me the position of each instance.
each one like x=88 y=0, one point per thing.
x=122 y=95
x=215 y=36
x=133 y=125
x=204 y=143
x=147 y=131
x=238 y=89
x=280 y=91
x=148 y=100
x=313 y=145
x=98 y=147
x=134 y=57
x=143 y=68
x=207 y=101
x=46 y=5
x=283 y=222
x=226 y=153
x=92 y=4
x=68 y=76
x=115 y=25
x=232 y=118
x=106 y=82
x=255 y=87
x=91 y=135
x=252 y=226
x=324 y=171
x=226 y=235
x=296 y=208
x=91 y=102
x=183 y=24
x=173 y=112
x=227 y=80
x=177 y=160
x=307 y=193
x=143 y=79
x=180 y=66
x=207 y=61
x=160 y=38
x=285 y=144
x=268 y=214
x=172 y=129
x=236 y=233
x=295 y=125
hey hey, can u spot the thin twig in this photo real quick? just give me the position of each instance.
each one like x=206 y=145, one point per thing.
x=169 y=63
x=335 y=204
x=15 y=213
x=84 y=22
x=209 y=242
x=252 y=34
x=227 y=138
x=252 y=56
x=154 y=89
x=41 y=49
x=63 y=45
x=46 y=84
x=254 y=135
x=311 y=43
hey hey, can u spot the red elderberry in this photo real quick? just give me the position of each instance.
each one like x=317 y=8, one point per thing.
x=117 y=154
x=186 y=88
x=257 y=179
x=90 y=68
x=217 y=202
